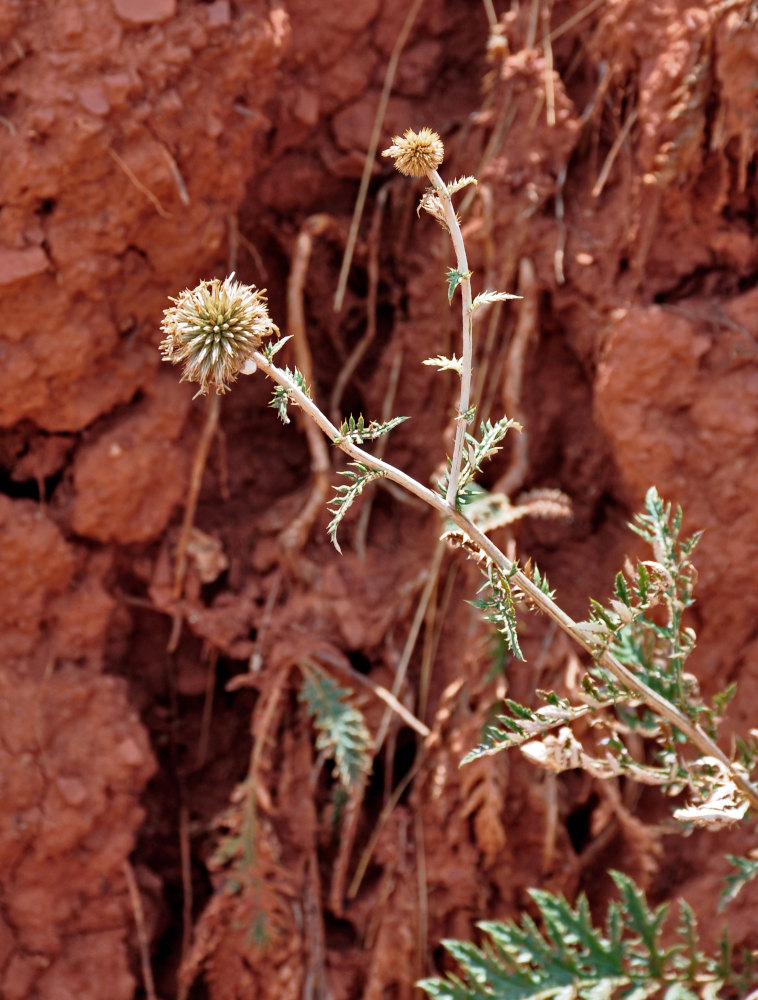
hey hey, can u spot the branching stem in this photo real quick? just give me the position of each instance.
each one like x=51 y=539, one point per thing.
x=537 y=597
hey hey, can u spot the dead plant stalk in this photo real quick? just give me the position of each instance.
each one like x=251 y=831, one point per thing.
x=536 y=597
x=467 y=360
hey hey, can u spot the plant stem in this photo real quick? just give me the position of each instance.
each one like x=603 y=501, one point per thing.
x=537 y=597
x=467 y=358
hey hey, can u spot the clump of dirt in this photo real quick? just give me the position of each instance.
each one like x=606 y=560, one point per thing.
x=74 y=760
x=112 y=180
x=147 y=145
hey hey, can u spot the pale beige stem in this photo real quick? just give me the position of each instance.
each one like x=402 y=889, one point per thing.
x=517 y=578
x=467 y=358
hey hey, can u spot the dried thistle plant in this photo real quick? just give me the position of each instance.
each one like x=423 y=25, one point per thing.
x=636 y=678
x=218 y=330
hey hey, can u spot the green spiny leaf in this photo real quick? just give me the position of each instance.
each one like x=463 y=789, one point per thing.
x=342 y=731
x=573 y=960
x=359 y=431
x=453 y=279
x=490 y=436
x=357 y=482
x=540 y=581
x=279 y=401
x=500 y=608
x=524 y=724
x=270 y=348
x=645 y=922
x=746 y=870
x=281 y=397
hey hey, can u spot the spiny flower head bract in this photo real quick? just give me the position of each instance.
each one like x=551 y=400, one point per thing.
x=416 y=153
x=213 y=329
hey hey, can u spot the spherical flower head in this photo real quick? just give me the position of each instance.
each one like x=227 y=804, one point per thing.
x=214 y=329
x=416 y=153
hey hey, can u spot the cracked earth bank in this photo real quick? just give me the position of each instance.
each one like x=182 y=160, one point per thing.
x=146 y=144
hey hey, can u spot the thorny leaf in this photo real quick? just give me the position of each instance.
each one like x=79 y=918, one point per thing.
x=524 y=724
x=359 y=431
x=342 y=730
x=499 y=607
x=340 y=504
x=489 y=444
x=485 y=297
x=570 y=958
x=747 y=869
x=453 y=279
x=444 y=364
x=281 y=397
x=270 y=348
x=459 y=184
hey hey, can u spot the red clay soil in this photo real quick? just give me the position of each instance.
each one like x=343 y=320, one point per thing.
x=160 y=742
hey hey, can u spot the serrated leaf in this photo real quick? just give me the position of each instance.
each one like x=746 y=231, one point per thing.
x=279 y=402
x=444 y=364
x=459 y=184
x=453 y=279
x=540 y=581
x=490 y=437
x=358 y=476
x=281 y=397
x=571 y=958
x=342 y=730
x=359 y=431
x=523 y=725
x=484 y=297
x=270 y=348
x=644 y=922
x=622 y=590
x=500 y=609
x=746 y=871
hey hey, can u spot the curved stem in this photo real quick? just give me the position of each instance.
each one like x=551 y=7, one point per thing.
x=537 y=597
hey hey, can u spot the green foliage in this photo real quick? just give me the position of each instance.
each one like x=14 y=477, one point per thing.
x=570 y=958
x=524 y=724
x=272 y=347
x=489 y=444
x=342 y=731
x=359 y=431
x=746 y=870
x=539 y=580
x=499 y=607
x=453 y=279
x=358 y=480
x=643 y=628
x=281 y=398
x=644 y=624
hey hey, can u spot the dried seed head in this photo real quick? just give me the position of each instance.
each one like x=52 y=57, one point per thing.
x=213 y=329
x=432 y=204
x=416 y=153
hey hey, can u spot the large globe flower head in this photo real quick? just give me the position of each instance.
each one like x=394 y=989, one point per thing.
x=214 y=329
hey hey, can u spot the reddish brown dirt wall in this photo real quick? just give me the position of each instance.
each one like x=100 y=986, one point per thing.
x=147 y=145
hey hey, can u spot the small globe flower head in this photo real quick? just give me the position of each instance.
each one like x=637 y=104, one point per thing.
x=214 y=329
x=416 y=153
